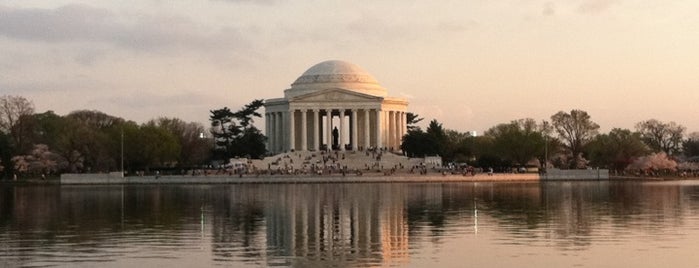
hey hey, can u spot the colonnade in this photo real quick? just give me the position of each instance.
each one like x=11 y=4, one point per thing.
x=303 y=129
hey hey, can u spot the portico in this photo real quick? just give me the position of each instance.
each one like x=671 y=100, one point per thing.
x=335 y=105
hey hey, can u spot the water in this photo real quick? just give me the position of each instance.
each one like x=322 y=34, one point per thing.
x=559 y=224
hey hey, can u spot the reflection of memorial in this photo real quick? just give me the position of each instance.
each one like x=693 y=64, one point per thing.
x=351 y=223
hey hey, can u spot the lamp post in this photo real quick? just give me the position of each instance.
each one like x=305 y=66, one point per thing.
x=546 y=147
x=546 y=152
x=122 y=152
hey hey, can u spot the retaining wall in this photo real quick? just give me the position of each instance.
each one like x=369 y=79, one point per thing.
x=576 y=174
x=107 y=179
x=116 y=178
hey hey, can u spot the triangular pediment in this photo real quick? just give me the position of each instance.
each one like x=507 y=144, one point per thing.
x=335 y=95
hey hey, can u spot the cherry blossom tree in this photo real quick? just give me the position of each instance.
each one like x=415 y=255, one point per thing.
x=653 y=163
x=40 y=161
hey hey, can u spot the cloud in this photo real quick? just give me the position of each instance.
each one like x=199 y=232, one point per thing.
x=370 y=27
x=457 y=26
x=595 y=6
x=82 y=23
x=549 y=9
x=142 y=98
x=257 y=2
x=406 y=95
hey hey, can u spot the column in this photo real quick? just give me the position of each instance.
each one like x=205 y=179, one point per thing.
x=272 y=133
x=403 y=125
x=354 y=129
x=292 y=130
x=379 y=140
x=396 y=135
x=316 y=129
x=367 y=139
x=396 y=118
x=387 y=125
x=279 y=140
x=341 y=133
x=267 y=130
x=391 y=129
x=304 y=131
x=328 y=129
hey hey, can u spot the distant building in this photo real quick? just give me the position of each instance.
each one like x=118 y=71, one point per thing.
x=303 y=118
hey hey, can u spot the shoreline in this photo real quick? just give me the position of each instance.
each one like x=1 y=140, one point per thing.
x=88 y=179
x=292 y=179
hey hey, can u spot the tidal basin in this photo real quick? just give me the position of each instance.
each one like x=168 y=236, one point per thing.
x=466 y=224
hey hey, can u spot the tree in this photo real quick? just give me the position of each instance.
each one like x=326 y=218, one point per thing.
x=96 y=119
x=457 y=147
x=575 y=129
x=224 y=130
x=157 y=146
x=438 y=134
x=417 y=143
x=194 y=147
x=660 y=136
x=412 y=119
x=5 y=155
x=73 y=142
x=653 y=163
x=517 y=142
x=40 y=161
x=616 y=150
x=251 y=143
x=15 y=111
x=691 y=145
x=93 y=136
x=234 y=133
x=92 y=139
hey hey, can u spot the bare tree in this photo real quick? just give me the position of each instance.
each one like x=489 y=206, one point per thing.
x=575 y=130
x=660 y=136
x=14 y=114
x=690 y=146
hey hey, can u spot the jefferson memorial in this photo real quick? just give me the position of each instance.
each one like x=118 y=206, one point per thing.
x=335 y=105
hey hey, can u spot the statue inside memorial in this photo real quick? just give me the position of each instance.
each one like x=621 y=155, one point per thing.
x=336 y=136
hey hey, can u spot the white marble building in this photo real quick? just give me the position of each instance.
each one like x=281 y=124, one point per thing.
x=335 y=95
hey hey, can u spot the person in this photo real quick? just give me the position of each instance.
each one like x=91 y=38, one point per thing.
x=490 y=171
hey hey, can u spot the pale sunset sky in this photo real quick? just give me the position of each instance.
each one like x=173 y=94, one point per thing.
x=468 y=64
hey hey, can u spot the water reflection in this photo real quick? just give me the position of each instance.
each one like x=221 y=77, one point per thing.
x=332 y=224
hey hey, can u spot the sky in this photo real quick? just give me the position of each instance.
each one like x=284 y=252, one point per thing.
x=469 y=64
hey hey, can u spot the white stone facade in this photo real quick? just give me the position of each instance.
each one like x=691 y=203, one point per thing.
x=330 y=95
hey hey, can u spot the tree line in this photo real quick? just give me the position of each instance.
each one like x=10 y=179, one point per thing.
x=92 y=141
x=570 y=140
x=34 y=144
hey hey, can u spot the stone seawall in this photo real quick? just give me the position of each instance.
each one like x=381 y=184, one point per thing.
x=576 y=174
x=116 y=178
x=108 y=179
x=92 y=178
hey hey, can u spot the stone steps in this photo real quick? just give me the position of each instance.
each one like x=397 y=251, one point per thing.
x=351 y=159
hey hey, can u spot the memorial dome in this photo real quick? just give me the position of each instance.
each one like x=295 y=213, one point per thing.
x=335 y=74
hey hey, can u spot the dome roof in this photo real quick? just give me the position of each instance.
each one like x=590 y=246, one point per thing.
x=335 y=74
x=335 y=70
